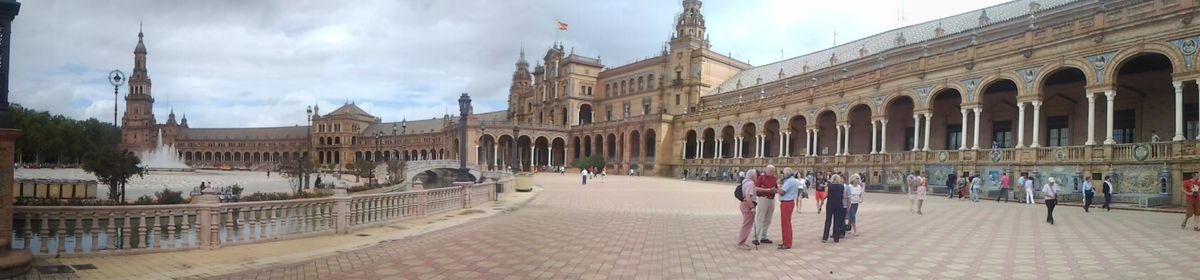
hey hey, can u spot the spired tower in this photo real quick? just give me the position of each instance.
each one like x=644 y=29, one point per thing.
x=686 y=58
x=137 y=126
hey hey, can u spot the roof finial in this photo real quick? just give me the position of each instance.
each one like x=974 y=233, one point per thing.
x=139 y=29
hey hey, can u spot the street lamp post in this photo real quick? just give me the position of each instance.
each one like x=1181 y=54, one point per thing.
x=483 y=162
x=464 y=110
x=116 y=78
x=378 y=136
x=308 y=148
x=515 y=154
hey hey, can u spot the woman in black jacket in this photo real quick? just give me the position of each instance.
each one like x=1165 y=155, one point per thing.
x=835 y=209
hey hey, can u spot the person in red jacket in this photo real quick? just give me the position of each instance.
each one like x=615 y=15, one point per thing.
x=766 y=185
x=1191 y=191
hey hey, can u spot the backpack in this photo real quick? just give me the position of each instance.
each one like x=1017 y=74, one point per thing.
x=737 y=193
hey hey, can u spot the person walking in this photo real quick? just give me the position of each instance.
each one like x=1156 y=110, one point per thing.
x=1003 y=188
x=788 y=194
x=976 y=184
x=585 y=176
x=1050 y=193
x=1191 y=191
x=1020 y=183
x=1029 y=190
x=685 y=174
x=910 y=187
x=856 y=191
x=835 y=210
x=804 y=183
x=1088 y=193
x=1108 y=193
x=746 y=206
x=964 y=184
x=820 y=190
x=951 y=182
x=922 y=189
x=766 y=185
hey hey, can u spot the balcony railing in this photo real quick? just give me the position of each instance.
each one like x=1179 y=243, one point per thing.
x=1118 y=153
x=90 y=230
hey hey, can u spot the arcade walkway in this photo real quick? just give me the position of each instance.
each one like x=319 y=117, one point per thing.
x=657 y=228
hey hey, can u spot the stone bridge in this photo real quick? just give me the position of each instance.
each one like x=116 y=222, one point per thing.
x=435 y=172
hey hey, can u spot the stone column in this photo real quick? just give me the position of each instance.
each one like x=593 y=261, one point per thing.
x=816 y=140
x=1178 y=111
x=975 y=138
x=782 y=142
x=837 y=145
x=762 y=140
x=808 y=141
x=1108 y=138
x=846 y=140
x=787 y=152
x=1197 y=105
x=928 y=128
x=1037 y=120
x=1091 y=123
x=962 y=132
x=717 y=151
x=699 y=149
x=1020 y=124
x=496 y=155
x=874 y=137
x=883 y=136
x=916 y=132
x=549 y=154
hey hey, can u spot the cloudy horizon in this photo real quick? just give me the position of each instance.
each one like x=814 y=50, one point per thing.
x=260 y=63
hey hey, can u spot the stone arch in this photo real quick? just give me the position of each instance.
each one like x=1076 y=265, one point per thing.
x=798 y=125
x=690 y=139
x=650 y=148
x=1063 y=93
x=585 y=114
x=727 y=134
x=827 y=121
x=892 y=98
x=558 y=151
x=1089 y=72
x=859 y=117
x=990 y=80
x=771 y=141
x=1125 y=55
x=941 y=88
x=899 y=133
x=611 y=147
x=708 y=148
x=749 y=145
x=946 y=131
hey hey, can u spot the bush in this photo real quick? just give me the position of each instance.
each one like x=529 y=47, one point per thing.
x=596 y=161
x=145 y=199
x=281 y=196
x=167 y=196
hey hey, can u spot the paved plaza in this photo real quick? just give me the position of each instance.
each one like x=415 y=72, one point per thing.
x=658 y=228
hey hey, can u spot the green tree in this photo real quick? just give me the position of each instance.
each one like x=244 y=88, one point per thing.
x=362 y=169
x=295 y=170
x=113 y=168
x=395 y=168
x=596 y=161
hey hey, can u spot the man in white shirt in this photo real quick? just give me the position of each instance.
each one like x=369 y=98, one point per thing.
x=1088 y=193
x=585 y=176
x=1029 y=190
x=1050 y=192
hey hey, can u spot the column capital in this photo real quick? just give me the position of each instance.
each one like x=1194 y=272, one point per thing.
x=884 y=121
x=1178 y=85
x=977 y=110
x=1036 y=103
x=1020 y=105
x=1110 y=94
x=1091 y=96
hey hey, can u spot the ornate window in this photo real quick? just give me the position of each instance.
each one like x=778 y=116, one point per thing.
x=650 y=82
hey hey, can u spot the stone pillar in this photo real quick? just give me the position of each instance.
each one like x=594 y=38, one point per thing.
x=12 y=263
x=788 y=138
x=496 y=155
x=717 y=148
x=975 y=138
x=837 y=144
x=1037 y=120
x=341 y=210
x=1178 y=111
x=1020 y=124
x=1108 y=138
x=916 y=132
x=816 y=140
x=846 y=140
x=928 y=128
x=874 y=137
x=1091 y=123
x=758 y=145
x=962 y=132
x=782 y=142
x=883 y=136
x=549 y=154
x=737 y=147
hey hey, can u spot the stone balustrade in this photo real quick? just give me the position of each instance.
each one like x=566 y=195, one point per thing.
x=206 y=223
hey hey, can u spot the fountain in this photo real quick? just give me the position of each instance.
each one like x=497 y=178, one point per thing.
x=163 y=158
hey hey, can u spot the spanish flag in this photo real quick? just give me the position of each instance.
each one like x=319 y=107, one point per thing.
x=562 y=26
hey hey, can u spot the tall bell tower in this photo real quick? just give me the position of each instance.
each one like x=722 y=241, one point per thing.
x=686 y=58
x=138 y=125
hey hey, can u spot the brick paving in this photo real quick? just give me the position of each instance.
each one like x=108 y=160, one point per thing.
x=658 y=228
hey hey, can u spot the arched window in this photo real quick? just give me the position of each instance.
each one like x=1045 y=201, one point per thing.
x=607 y=90
x=622 y=87
x=641 y=84
x=650 y=82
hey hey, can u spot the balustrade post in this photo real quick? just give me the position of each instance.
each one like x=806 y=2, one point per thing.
x=209 y=204
x=341 y=210
x=422 y=197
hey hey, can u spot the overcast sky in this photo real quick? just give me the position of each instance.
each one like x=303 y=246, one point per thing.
x=244 y=63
